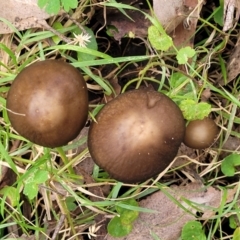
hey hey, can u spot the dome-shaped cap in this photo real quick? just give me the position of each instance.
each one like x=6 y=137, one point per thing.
x=48 y=103
x=136 y=135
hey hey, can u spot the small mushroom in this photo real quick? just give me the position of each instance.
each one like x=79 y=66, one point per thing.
x=200 y=134
x=48 y=103
x=136 y=135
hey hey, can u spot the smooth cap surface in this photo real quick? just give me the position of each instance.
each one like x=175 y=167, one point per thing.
x=200 y=134
x=136 y=135
x=48 y=103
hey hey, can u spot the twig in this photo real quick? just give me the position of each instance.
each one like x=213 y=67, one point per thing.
x=58 y=226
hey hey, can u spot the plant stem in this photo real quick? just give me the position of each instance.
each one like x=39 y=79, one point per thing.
x=64 y=158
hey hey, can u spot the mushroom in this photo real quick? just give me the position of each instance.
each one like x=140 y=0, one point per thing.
x=136 y=135
x=200 y=133
x=48 y=103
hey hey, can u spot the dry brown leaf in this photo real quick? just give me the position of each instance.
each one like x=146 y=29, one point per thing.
x=171 y=13
x=168 y=222
x=229 y=10
x=7 y=176
x=233 y=64
x=125 y=26
x=23 y=14
x=184 y=33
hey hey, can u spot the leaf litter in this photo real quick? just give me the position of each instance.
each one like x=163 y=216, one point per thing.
x=176 y=206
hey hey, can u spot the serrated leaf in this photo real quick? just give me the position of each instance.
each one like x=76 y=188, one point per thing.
x=53 y=7
x=121 y=226
x=69 y=4
x=36 y=177
x=184 y=54
x=50 y=6
x=42 y=3
x=159 y=40
x=31 y=190
x=192 y=230
x=229 y=163
x=127 y=215
x=40 y=176
x=117 y=229
x=194 y=111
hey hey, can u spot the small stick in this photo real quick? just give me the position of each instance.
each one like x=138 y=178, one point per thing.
x=58 y=226
x=61 y=36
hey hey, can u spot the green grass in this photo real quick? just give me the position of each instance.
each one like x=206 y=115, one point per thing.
x=64 y=191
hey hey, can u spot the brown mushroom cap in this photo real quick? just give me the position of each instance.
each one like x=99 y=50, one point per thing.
x=48 y=103
x=136 y=135
x=200 y=133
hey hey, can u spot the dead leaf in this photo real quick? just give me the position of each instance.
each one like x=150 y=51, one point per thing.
x=171 y=13
x=233 y=64
x=7 y=176
x=23 y=14
x=168 y=222
x=232 y=144
x=184 y=33
x=126 y=26
x=229 y=10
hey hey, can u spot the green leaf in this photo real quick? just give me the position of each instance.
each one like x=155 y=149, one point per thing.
x=117 y=229
x=128 y=216
x=159 y=40
x=232 y=222
x=50 y=6
x=36 y=177
x=42 y=3
x=69 y=4
x=70 y=202
x=236 y=234
x=92 y=44
x=229 y=163
x=53 y=7
x=180 y=85
x=12 y=195
x=192 y=230
x=130 y=202
x=111 y=30
x=31 y=190
x=193 y=111
x=184 y=54
x=121 y=226
x=218 y=13
x=41 y=176
x=57 y=26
